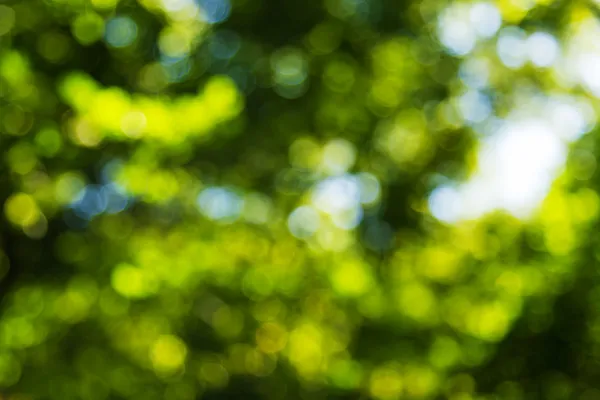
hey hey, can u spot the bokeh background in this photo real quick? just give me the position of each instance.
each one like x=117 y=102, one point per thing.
x=262 y=199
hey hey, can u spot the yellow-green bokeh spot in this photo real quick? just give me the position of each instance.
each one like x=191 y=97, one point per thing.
x=87 y=28
x=352 y=278
x=224 y=100
x=442 y=264
x=386 y=383
x=21 y=158
x=257 y=283
x=214 y=374
x=168 y=354
x=21 y=333
x=346 y=374
x=134 y=282
x=417 y=301
x=489 y=322
x=75 y=303
x=22 y=210
x=271 y=337
x=228 y=322
x=78 y=89
x=305 y=349
x=48 y=142
x=15 y=68
x=421 y=381
x=445 y=352
x=54 y=47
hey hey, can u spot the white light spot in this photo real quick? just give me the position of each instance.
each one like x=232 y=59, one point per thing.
x=512 y=47
x=176 y=5
x=335 y=195
x=444 y=204
x=455 y=32
x=517 y=163
x=348 y=219
x=474 y=73
x=486 y=19
x=527 y=155
x=474 y=106
x=220 y=204
x=570 y=120
x=543 y=49
x=589 y=73
x=304 y=222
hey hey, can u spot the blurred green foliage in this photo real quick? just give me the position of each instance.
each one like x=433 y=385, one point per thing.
x=232 y=199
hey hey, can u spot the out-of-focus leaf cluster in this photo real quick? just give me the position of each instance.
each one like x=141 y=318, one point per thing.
x=260 y=199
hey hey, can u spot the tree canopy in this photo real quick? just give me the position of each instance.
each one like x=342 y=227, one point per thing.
x=260 y=199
